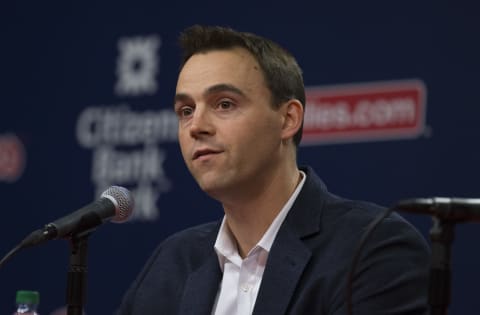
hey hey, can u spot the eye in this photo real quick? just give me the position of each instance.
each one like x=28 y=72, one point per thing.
x=185 y=111
x=225 y=105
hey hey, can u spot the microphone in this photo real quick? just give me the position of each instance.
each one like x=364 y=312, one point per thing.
x=451 y=209
x=115 y=204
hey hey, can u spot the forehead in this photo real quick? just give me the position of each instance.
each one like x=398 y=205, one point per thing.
x=235 y=66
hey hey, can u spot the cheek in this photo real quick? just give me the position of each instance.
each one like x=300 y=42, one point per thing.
x=265 y=130
x=183 y=146
x=255 y=137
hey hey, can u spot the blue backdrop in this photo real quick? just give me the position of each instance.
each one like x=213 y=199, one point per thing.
x=86 y=102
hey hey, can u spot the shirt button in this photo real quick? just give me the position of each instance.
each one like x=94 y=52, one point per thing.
x=245 y=287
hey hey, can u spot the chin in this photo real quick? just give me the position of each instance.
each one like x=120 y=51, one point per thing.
x=209 y=186
x=214 y=188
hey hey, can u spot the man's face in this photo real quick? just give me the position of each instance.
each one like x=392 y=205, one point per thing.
x=229 y=134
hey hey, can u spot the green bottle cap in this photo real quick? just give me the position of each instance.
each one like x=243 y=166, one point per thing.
x=28 y=297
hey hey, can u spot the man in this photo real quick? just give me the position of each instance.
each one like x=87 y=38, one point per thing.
x=285 y=243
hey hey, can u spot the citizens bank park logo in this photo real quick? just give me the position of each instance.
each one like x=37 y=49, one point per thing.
x=127 y=143
x=364 y=112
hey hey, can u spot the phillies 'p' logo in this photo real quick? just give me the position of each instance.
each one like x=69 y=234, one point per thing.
x=12 y=158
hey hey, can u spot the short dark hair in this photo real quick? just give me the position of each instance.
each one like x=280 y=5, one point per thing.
x=281 y=71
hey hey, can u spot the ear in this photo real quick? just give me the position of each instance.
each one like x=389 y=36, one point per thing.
x=292 y=118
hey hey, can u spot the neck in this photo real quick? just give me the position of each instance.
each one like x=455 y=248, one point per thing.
x=249 y=218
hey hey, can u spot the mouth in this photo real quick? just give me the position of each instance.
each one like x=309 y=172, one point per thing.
x=198 y=154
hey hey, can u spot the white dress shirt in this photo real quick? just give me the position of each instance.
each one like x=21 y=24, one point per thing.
x=242 y=277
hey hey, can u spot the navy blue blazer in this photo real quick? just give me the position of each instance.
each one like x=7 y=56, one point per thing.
x=306 y=269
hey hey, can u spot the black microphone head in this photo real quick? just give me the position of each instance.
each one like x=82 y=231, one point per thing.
x=123 y=201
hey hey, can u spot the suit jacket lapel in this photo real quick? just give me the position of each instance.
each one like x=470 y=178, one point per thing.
x=289 y=255
x=281 y=275
x=201 y=288
x=202 y=283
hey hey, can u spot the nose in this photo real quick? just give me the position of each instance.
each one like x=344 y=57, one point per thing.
x=201 y=124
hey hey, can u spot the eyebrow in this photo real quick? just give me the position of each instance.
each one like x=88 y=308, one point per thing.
x=222 y=87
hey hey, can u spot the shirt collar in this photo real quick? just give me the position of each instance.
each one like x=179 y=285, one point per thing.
x=225 y=245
